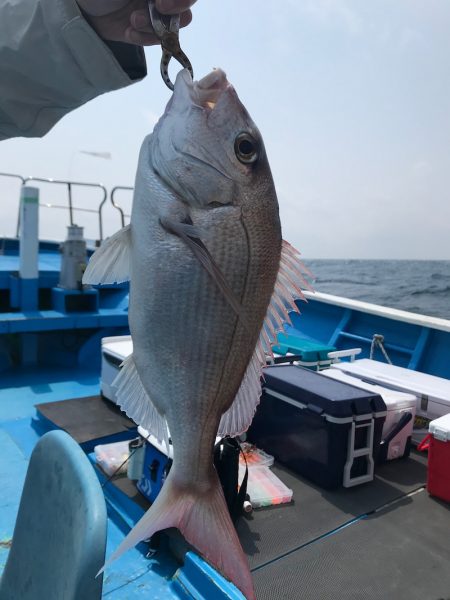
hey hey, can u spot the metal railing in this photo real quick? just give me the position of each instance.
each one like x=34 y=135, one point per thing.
x=13 y=176
x=70 y=207
x=114 y=191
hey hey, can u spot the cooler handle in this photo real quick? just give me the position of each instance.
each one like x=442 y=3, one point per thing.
x=425 y=443
x=403 y=422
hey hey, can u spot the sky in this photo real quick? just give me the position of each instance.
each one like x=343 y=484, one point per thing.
x=353 y=101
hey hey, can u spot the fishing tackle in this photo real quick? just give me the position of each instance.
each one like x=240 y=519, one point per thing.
x=167 y=29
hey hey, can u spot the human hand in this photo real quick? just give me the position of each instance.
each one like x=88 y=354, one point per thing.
x=129 y=20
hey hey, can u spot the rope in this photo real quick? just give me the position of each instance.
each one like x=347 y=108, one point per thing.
x=377 y=341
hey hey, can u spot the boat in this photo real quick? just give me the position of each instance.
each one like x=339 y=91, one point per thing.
x=385 y=539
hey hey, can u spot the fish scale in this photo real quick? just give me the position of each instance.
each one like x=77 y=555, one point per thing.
x=179 y=324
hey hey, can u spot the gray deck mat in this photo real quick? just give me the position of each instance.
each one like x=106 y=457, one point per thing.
x=271 y=532
x=86 y=419
x=400 y=553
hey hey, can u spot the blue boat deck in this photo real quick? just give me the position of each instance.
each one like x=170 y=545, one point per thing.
x=276 y=540
x=20 y=431
x=134 y=575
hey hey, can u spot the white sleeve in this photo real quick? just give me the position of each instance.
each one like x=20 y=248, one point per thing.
x=52 y=61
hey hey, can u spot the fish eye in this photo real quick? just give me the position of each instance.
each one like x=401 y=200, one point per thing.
x=246 y=148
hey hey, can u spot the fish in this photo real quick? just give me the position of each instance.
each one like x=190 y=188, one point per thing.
x=211 y=283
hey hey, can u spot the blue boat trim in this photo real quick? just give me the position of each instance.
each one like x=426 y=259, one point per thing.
x=197 y=579
x=420 y=348
x=413 y=341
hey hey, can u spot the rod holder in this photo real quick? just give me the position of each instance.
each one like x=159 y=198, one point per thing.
x=29 y=247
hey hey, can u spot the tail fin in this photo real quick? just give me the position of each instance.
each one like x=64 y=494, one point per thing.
x=204 y=520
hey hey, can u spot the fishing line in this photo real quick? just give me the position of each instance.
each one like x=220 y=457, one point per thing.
x=115 y=473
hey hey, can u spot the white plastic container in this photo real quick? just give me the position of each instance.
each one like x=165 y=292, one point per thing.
x=432 y=393
x=440 y=429
x=397 y=404
x=112 y=457
x=254 y=457
x=114 y=351
x=264 y=487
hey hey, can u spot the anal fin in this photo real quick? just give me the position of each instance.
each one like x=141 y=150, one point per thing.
x=238 y=417
x=134 y=401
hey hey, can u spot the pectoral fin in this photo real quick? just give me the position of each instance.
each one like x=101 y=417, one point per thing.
x=111 y=262
x=191 y=237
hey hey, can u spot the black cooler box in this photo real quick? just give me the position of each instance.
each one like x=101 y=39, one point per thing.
x=322 y=429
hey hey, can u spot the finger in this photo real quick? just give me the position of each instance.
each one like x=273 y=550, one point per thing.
x=140 y=38
x=186 y=18
x=172 y=7
x=140 y=20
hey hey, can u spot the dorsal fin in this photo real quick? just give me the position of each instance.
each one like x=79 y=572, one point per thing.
x=291 y=276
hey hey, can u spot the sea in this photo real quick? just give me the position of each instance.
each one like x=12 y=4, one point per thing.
x=419 y=286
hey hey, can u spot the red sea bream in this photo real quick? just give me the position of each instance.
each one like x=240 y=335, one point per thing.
x=210 y=282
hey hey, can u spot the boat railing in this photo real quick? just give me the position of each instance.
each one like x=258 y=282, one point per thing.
x=112 y=197
x=71 y=207
x=13 y=176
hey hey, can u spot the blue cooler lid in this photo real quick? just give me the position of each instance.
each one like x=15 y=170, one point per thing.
x=322 y=394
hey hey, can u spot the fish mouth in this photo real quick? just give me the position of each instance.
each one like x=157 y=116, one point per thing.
x=207 y=91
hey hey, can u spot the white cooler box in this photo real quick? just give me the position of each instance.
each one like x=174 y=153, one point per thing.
x=114 y=351
x=432 y=393
x=397 y=403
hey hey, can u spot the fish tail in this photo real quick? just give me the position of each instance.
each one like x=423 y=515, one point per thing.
x=203 y=519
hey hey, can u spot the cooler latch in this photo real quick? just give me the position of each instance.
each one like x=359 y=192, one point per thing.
x=441 y=434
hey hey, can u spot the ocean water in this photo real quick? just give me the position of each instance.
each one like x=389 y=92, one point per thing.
x=414 y=285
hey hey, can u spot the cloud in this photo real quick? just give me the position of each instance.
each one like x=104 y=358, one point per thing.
x=331 y=13
x=422 y=168
x=398 y=36
x=409 y=37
